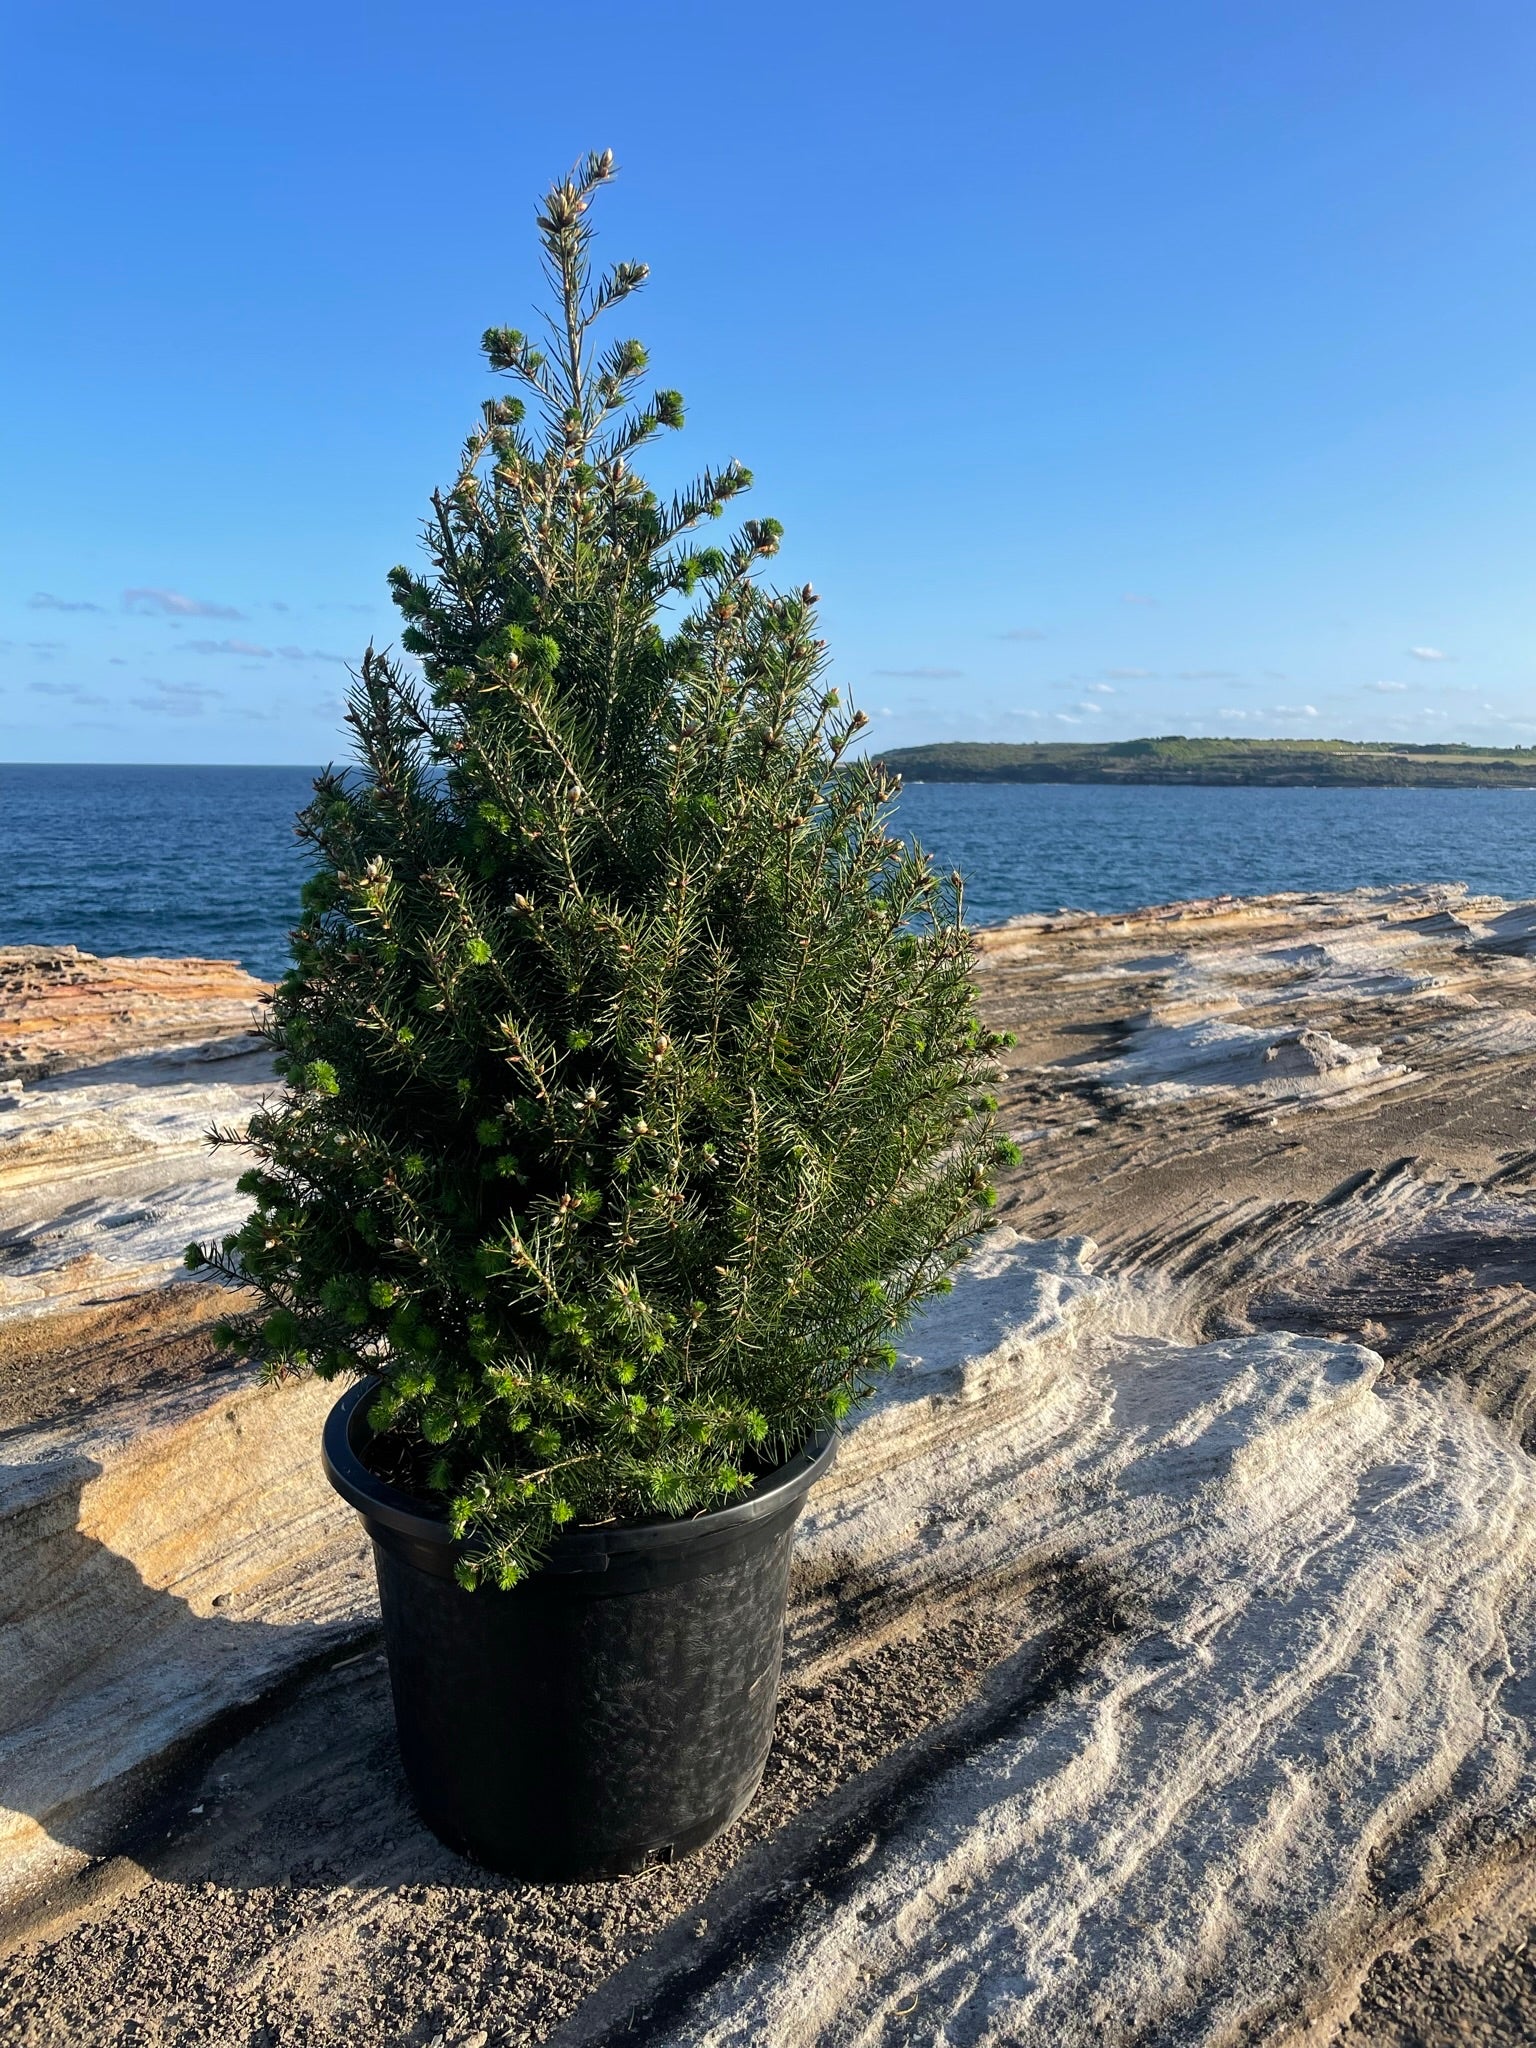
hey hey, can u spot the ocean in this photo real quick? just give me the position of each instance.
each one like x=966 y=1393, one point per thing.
x=204 y=861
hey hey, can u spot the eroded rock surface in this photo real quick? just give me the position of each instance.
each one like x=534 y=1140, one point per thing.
x=112 y=1073
x=1162 y=1654
x=1374 y=1179
x=164 y=1562
x=1289 y=1691
x=168 y=1550
x=61 y=1008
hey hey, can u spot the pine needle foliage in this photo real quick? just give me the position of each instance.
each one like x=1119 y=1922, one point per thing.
x=634 y=1091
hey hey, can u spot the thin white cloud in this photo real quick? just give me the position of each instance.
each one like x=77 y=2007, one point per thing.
x=224 y=647
x=1386 y=688
x=175 y=700
x=173 y=604
x=1129 y=675
x=1096 y=709
x=45 y=601
x=319 y=654
x=1430 y=654
x=1293 y=711
x=1207 y=675
x=1102 y=689
x=72 y=691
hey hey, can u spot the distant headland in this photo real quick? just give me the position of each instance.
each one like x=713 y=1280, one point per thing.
x=1175 y=759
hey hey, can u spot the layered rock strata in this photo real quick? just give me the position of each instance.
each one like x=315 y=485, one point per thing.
x=167 y=1560
x=1285 y=1693
x=112 y=1073
x=1162 y=1655
x=61 y=1008
x=167 y=1551
x=1314 y=1114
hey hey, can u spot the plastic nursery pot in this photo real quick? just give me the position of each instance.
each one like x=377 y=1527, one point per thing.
x=613 y=1710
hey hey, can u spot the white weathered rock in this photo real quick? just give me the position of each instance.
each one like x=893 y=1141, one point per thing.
x=1494 y=1034
x=147 y=1110
x=1363 y=960
x=110 y=1248
x=1310 y=1689
x=1236 y=954
x=136 y=1129
x=1165 y=1062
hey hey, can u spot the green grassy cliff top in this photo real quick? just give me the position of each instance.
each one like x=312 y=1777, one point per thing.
x=1176 y=759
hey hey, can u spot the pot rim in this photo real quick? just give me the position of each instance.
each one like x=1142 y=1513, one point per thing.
x=591 y=1548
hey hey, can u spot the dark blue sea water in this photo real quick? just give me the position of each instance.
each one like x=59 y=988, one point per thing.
x=153 y=860
x=204 y=861
x=1049 y=847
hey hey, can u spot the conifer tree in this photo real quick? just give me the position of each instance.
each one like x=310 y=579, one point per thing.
x=634 y=1095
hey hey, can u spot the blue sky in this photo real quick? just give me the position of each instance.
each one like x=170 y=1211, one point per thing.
x=1114 y=368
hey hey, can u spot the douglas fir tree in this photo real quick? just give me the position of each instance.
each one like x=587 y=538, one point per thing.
x=633 y=1085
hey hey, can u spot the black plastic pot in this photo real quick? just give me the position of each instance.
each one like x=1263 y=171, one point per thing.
x=613 y=1710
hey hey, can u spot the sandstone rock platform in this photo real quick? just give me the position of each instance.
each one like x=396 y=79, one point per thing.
x=1162 y=1650
x=166 y=1555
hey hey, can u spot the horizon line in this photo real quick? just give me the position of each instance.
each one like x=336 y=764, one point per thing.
x=910 y=746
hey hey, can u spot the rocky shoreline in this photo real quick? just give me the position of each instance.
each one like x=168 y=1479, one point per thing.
x=111 y=1072
x=1162 y=1660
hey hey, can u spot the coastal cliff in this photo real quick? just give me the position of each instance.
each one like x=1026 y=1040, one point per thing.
x=1162 y=1652
x=1316 y=764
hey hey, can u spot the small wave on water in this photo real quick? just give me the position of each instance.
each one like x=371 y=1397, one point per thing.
x=204 y=861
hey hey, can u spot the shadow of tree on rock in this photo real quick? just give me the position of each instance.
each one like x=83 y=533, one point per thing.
x=114 y=1690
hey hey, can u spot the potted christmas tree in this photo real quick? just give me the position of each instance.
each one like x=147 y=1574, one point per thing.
x=632 y=1104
